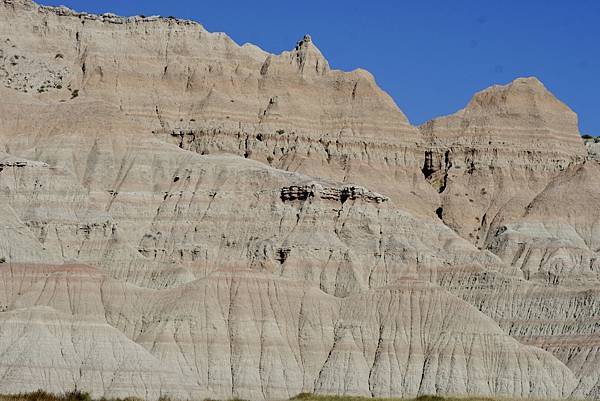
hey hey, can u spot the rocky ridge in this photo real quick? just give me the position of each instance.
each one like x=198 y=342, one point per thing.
x=189 y=217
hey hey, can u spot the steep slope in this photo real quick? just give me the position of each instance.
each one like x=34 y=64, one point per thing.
x=205 y=93
x=513 y=177
x=241 y=333
x=558 y=241
x=558 y=237
x=144 y=253
x=492 y=158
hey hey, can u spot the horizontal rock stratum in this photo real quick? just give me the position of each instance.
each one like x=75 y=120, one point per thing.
x=187 y=217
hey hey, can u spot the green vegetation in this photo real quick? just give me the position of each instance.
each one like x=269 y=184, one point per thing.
x=44 y=396
x=69 y=396
x=82 y=396
x=312 y=397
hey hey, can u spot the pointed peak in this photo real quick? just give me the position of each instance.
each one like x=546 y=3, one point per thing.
x=304 y=41
x=308 y=57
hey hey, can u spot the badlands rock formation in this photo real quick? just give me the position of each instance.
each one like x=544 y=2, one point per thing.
x=497 y=154
x=187 y=217
x=593 y=146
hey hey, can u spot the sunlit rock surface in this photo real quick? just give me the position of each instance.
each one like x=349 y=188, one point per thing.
x=184 y=216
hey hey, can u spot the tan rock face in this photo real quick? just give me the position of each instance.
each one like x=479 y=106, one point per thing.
x=593 y=147
x=492 y=158
x=184 y=216
x=513 y=178
x=209 y=95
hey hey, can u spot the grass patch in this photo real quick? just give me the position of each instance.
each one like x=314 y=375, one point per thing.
x=83 y=396
x=314 y=397
x=76 y=395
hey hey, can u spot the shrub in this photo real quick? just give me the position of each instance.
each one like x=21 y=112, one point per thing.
x=303 y=396
x=39 y=395
x=77 y=395
x=430 y=398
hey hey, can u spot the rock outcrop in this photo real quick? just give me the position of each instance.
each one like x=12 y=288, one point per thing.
x=593 y=147
x=513 y=176
x=490 y=160
x=187 y=217
x=209 y=95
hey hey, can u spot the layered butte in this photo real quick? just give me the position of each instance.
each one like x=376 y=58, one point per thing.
x=191 y=218
x=204 y=93
x=490 y=159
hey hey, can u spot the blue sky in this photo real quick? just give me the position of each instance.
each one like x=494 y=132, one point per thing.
x=430 y=56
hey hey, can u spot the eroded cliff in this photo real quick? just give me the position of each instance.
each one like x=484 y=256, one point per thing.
x=189 y=217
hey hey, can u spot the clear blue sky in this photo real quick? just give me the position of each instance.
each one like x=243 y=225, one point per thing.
x=431 y=56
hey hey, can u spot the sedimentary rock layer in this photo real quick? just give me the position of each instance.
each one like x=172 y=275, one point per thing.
x=184 y=216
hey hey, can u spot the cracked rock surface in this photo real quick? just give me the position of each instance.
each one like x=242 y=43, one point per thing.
x=184 y=216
